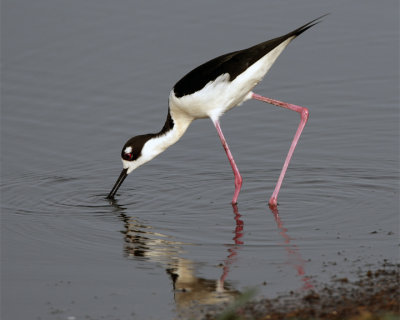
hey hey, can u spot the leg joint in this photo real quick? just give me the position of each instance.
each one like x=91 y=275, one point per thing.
x=305 y=113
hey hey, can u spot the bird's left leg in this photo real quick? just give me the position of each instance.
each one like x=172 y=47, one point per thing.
x=238 y=177
x=273 y=201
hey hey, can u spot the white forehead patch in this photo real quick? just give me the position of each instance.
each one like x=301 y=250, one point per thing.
x=128 y=150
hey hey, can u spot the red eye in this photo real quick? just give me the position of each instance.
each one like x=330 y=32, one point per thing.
x=128 y=156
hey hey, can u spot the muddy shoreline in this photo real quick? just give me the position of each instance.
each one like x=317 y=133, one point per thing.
x=374 y=295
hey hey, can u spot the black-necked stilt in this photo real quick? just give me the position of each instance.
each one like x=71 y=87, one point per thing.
x=207 y=92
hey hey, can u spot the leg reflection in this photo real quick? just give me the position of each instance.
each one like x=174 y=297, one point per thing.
x=293 y=251
x=238 y=234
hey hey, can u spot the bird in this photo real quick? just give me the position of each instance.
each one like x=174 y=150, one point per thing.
x=209 y=91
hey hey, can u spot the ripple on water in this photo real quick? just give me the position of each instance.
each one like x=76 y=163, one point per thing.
x=54 y=208
x=64 y=204
x=50 y=194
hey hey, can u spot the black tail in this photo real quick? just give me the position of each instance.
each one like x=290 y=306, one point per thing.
x=307 y=26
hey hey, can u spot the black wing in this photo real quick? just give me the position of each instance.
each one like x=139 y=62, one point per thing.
x=233 y=63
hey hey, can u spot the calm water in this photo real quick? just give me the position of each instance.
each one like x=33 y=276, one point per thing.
x=81 y=77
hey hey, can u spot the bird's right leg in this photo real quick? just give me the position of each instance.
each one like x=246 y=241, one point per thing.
x=238 y=177
x=304 y=113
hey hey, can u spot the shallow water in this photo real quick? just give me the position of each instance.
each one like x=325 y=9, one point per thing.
x=79 y=79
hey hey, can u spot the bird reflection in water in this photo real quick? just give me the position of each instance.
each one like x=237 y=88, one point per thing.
x=142 y=242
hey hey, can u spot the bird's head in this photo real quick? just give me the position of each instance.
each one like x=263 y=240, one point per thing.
x=135 y=152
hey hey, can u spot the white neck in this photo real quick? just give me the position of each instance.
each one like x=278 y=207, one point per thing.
x=160 y=142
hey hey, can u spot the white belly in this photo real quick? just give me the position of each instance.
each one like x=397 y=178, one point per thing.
x=221 y=95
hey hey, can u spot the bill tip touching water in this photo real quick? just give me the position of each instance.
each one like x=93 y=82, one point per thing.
x=208 y=91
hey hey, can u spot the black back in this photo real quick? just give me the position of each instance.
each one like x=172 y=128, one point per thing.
x=233 y=63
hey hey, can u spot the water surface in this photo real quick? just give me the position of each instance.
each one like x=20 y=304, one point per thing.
x=80 y=78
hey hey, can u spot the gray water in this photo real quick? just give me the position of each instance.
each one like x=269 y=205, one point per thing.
x=81 y=77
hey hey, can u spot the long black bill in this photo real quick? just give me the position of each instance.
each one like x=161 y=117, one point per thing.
x=120 y=179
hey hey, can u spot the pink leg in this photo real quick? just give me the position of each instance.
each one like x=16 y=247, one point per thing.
x=273 y=201
x=238 y=177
